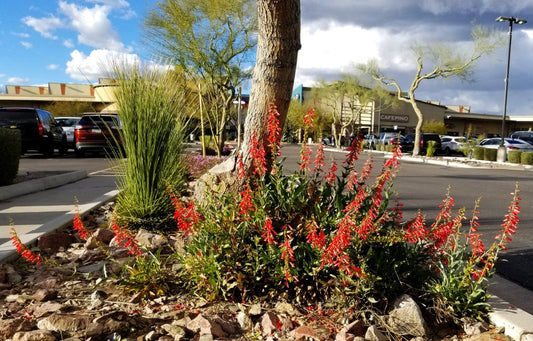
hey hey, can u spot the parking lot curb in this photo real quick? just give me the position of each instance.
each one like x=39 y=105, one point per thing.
x=518 y=324
x=8 y=253
x=37 y=185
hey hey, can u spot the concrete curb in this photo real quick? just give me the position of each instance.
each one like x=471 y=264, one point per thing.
x=8 y=253
x=37 y=185
x=518 y=323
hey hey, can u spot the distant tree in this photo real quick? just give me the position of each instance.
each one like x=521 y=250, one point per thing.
x=294 y=123
x=444 y=62
x=69 y=108
x=211 y=40
x=345 y=101
x=434 y=127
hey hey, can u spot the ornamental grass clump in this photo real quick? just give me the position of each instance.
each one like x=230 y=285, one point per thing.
x=151 y=106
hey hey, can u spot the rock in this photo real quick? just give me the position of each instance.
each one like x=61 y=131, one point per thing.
x=255 y=309
x=406 y=318
x=9 y=327
x=54 y=241
x=8 y=274
x=244 y=321
x=353 y=329
x=286 y=308
x=47 y=307
x=103 y=235
x=304 y=333
x=373 y=334
x=203 y=326
x=176 y=332
x=220 y=179
x=150 y=240
x=474 y=327
x=42 y=295
x=34 y=335
x=269 y=323
x=64 y=322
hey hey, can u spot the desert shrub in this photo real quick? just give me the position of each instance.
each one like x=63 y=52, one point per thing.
x=10 y=145
x=527 y=158
x=514 y=156
x=431 y=148
x=151 y=105
x=490 y=154
x=478 y=153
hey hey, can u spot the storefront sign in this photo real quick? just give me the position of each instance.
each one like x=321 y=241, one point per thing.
x=395 y=118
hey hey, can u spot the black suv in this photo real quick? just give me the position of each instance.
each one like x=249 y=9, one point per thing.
x=408 y=141
x=39 y=130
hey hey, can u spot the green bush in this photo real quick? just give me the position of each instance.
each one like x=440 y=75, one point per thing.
x=478 y=153
x=490 y=154
x=151 y=105
x=431 y=148
x=10 y=145
x=514 y=156
x=527 y=158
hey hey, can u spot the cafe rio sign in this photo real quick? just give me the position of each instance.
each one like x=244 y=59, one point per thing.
x=394 y=118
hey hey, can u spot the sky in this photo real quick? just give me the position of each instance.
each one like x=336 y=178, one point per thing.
x=46 y=41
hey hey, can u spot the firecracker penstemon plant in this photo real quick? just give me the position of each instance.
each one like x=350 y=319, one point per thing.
x=314 y=236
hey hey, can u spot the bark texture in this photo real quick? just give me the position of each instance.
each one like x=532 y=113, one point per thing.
x=273 y=77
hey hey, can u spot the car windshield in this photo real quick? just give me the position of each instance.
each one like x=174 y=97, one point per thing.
x=8 y=116
x=109 y=121
x=67 y=122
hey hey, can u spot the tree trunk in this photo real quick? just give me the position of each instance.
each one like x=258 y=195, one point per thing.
x=418 y=128
x=273 y=77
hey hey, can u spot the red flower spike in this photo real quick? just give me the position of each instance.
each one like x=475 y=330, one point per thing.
x=24 y=252
x=305 y=158
x=125 y=239
x=78 y=224
x=319 y=159
x=269 y=234
x=274 y=130
x=246 y=205
x=309 y=118
x=331 y=177
x=258 y=154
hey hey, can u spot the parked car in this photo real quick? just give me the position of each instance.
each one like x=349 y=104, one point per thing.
x=523 y=135
x=97 y=133
x=68 y=124
x=369 y=141
x=39 y=130
x=452 y=144
x=408 y=142
x=387 y=138
x=510 y=144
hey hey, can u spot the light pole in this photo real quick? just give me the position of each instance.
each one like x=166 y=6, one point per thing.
x=502 y=152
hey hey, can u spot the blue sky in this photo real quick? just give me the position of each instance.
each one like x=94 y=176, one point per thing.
x=68 y=41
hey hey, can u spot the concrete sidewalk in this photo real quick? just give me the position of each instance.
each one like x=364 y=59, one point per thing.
x=51 y=207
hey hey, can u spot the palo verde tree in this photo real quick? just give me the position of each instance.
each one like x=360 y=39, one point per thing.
x=345 y=101
x=273 y=76
x=441 y=61
x=210 y=40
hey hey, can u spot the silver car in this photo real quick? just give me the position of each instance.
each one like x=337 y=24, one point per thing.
x=452 y=144
x=68 y=124
x=510 y=144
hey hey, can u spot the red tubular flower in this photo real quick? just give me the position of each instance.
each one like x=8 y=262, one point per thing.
x=24 y=252
x=258 y=153
x=287 y=255
x=305 y=158
x=274 y=130
x=269 y=234
x=246 y=205
x=352 y=180
x=353 y=152
x=309 y=118
x=416 y=229
x=316 y=236
x=367 y=168
x=331 y=177
x=79 y=226
x=319 y=160
x=510 y=222
x=240 y=168
x=125 y=239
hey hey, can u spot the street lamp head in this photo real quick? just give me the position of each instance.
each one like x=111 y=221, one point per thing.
x=511 y=20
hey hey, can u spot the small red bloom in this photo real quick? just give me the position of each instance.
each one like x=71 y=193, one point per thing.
x=125 y=239
x=25 y=253
x=305 y=158
x=331 y=177
x=246 y=205
x=269 y=234
x=319 y=160
x=309 y=118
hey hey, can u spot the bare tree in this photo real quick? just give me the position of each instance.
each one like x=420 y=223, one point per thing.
x=445 y=62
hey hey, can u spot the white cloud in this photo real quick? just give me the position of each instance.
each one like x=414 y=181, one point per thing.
x=17 y=80
x=22 y=35
x=26 y=44
x=45 y=26
x=97 y=64
x=68 y=43
x=52 y=67
x=93 y=26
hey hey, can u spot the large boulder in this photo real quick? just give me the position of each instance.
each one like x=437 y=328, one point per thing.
x=220 y=180
x=406 y=318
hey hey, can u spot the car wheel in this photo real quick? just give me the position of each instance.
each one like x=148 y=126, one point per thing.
x=63 y=147
x=47 y=150
x=447 y=151
x=79 y=152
